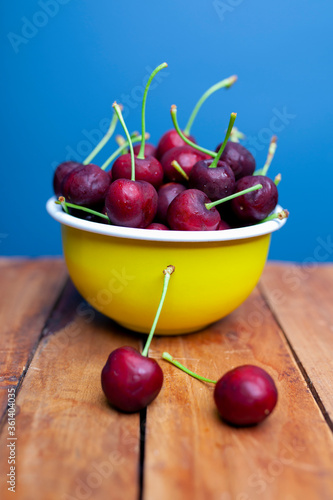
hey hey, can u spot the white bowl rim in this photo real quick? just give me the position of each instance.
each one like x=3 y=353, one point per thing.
x=260 y=229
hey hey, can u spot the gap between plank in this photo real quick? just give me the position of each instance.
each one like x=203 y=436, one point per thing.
x=32 y=353
x=299 y=363
x=143 y=419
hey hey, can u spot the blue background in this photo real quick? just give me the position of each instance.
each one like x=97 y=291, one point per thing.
x=59 y=80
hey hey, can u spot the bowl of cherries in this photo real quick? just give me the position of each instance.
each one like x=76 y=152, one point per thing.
x=208 y=213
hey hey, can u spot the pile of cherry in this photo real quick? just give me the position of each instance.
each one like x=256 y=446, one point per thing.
x=177 y=186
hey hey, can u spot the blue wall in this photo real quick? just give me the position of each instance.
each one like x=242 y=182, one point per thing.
x=64 y=66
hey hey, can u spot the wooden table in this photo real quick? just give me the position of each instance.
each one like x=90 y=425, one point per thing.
x=70 y=445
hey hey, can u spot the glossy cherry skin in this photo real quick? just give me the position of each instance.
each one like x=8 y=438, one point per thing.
x=131 y=381
x=245 y=395
x=60 y=173
x=166 y=194
x=150 y=149
x=86 y=185
x=148 y=169
x=216 y=183
x=238 y=158
x=131 y=203
x=186 y=156
x=257 y=205
x=157 y=226
x=171 y=139
x=187 y=212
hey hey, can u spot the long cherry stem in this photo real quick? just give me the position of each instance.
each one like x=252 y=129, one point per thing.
x=141 y=154
x=169 y=358
x=232 y=196
x=167 y=274
x=226 y=83
x=117 y=109
x=271 y=152
x=120 y=149
x=173 y=112
x=65 y=205
x=227 y=135
x=103 y=141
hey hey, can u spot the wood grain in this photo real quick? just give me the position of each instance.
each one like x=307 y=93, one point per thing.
x=301 y=298
x=28 y=292
x=71 y=445
x=191 y=454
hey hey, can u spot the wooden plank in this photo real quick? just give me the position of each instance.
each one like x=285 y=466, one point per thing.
x=302 y=300
x=190 y=454
x=29 y=289
x=70 y=444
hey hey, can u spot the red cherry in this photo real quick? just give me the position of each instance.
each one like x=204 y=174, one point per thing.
x=186 y=156
x=60 y=173
x=147 y=169
x=131 y=381
x=188 y=212
x=245 y=395
x=150 y=149
x=131 y=203
x=257 y=205
x=86 y=185
x=158 y=226
x=166 y=194
x=169 y=140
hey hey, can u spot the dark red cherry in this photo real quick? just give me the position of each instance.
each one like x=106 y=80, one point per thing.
x=188 y=212
x=186 y=156
x=245 y=395
x=216 y=183
x=223 y=225
x=86 y=185
x=148 y=169
x=257 y=205
x=238 y=158
x=169 y=140
x=60 y=173
x=150 y=149
x=131 y=381
x=131 y=203
x=166 y=194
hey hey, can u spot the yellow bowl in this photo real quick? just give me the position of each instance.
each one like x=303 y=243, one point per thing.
x=119 y=270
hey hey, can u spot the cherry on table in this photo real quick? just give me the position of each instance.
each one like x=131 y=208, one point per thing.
x=245 y=395
x=130 y=380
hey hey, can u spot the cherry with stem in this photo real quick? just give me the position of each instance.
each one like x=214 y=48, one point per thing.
x=65 y=205
x=122 y=147
x=243 y=396
x=130 y=379
x=130 y=202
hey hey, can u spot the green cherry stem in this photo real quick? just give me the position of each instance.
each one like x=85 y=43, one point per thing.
x=227 y=135
x=172 y=360
x=141 y=154
x=232 y=196
x=226 y=83
x=179 y=169
x=103 y=141
x=173 y=112
x=284 y=214
x=167 y=274
x=117 y=109
x=120 y=150
x=271 y=152
x=61 y=201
